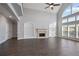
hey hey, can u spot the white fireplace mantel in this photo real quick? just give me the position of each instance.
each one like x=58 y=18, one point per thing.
x=38 y=31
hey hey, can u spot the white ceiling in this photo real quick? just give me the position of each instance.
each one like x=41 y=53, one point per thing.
x=40 y=7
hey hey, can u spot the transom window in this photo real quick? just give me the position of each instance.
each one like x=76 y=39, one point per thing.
x=67 y=11
x=64 y=20
x=70 y=19
x=75 y=8
x=77 y=17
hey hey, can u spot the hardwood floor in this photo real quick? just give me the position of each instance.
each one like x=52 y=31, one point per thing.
x=40 y=47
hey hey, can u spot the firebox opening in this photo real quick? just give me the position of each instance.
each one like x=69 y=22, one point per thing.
x=41 y=34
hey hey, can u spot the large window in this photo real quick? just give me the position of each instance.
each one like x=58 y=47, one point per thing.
x=70 y=23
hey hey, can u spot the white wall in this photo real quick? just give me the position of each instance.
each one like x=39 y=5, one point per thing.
x=39 y=19
x=9 y=28
x=28 y=30
x=14 y=29
x=5 y=29
x=52 y=30
x=20 y=29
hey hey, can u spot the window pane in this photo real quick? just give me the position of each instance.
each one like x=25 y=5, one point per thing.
x=64 y=20
x=70 y=19
x=71 y=31
x=67 y=11
x=75 y=8
x=64 y=31
x=77 y=30
x=77 y=17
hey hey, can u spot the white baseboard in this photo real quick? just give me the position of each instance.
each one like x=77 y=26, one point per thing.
x=3 y=41
x=33 y=38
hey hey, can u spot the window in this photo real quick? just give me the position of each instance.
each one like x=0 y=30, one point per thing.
x=64 y=31
x=70 y=19
x=77 y=17
x=64 y=20
x=75 y=8
x=71 y=31
x=67 y=11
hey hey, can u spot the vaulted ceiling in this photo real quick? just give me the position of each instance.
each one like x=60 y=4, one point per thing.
x=41 y=7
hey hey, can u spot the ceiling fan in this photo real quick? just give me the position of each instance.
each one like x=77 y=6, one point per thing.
x=51 y=5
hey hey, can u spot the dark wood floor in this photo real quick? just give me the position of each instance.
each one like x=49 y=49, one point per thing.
x=40 y=47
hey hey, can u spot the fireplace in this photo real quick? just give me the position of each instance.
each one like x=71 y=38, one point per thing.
x=41 y=34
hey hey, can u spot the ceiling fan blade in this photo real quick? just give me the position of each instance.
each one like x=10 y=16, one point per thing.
x=56 y=5
x=47 y=7
x=52 y=4
x=47 y=3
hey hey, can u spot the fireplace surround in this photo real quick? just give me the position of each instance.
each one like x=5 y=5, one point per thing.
x=42 y=33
